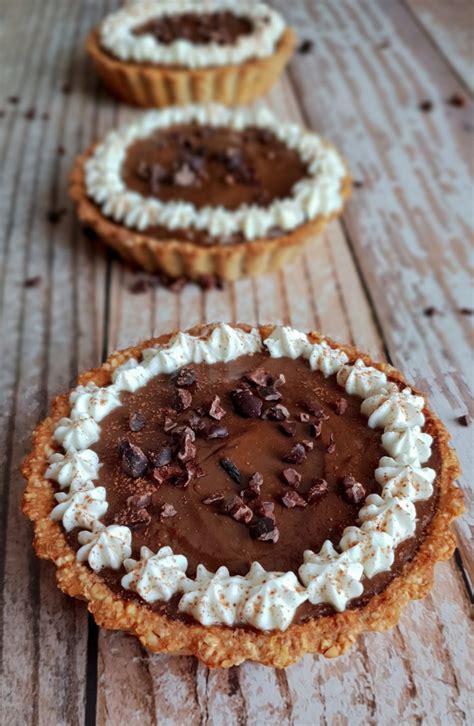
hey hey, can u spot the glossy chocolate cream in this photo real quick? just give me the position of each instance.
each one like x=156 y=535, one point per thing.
x=258 y=474
x=206 y=165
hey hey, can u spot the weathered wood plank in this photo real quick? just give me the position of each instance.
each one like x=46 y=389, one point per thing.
x=450 y=26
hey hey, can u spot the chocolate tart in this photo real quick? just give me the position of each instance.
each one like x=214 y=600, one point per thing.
x=158 y=54
x=202 y=190
x=228 y=457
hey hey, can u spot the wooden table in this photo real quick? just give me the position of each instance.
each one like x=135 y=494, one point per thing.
x=402 y=247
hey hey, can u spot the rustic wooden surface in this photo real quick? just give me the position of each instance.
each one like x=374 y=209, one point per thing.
x=402 y=246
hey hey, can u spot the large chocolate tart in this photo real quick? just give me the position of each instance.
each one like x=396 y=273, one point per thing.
x=221 y=537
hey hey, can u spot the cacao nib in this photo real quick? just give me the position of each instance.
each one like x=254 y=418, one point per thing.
x=232 y=470
x=246 y=404
x=297 y=454
x=353 y=490
x=318 y=489
x=264 y=529
x=288 y=428
x=136 y=421
x=293 y=499
x=292 y=477
x=134 y=461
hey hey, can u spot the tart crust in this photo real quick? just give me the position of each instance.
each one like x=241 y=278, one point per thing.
x=181 y=258
x=222 y=646
x=148 y=85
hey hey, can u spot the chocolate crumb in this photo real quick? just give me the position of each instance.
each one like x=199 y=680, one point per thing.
x=32 y=281
x=215 y=498
x=457 y=99
x=232 y=470
x=318 y=489
x=293 y=499
x=464 y=420
x=167 y=511
x=331 y=447
x=353 y=490
x=292 y=477
x=425 y=106
x=246 y=404
x=136 y=421
x=340 y=406
x=288 y=428
x=297 y=454
x=134 y=461
x=55 y=215
x=264 y=530
x=132 y=516
x=183 y=399
x=305 y=47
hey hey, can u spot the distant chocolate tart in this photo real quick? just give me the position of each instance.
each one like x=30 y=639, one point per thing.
x=157 y=53
x=239 y=493
x=205 y=191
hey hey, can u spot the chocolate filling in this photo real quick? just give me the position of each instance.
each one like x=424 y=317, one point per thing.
x=269 y=452
x=218 y=165
x=223 y=28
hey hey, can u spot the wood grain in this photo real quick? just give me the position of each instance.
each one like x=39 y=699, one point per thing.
x=402 y=246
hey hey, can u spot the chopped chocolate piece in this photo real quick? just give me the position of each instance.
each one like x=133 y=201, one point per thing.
x=193 y=470
x=168 y=424
x=185 y=176
x=136 y=421
x=188 y=449
x=265 y=509
x=457 y=99
x=170 y=474
x=196 y=422
x=305 y=47
x=32 y=281
x=464 y=420
x=216 y=431
x=293 y=499
x=276 y=413
x=167 y=511
x=264 y=529
x=288 y=428
x=255 y=482
x=466 y=311
x=185 y=377
x=232 y=470
x=425 y=106
x=182 y=432
x=297 y=454
x=134 y=461
x=280 y=380
x=268 y=393
x=353 y=490
x=183 y=399
x=318 y=489
x=216 y=410
x=292 y=477
x=308 y=445
x=213 y=499
x=246 y=404
x=431 y=310
x=238 y=510
x=162 y=456
x=259 y=376
x=139 y=501
x=248 y=495
x=138 y=287
x=331 y=447
x=304 y=417
x=315 y=429
x=315 y=410
x=340 y=406
x=55 y=215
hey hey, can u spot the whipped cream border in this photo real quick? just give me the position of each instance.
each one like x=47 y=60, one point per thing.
x=317 y=194
x=265 y=600
x=117 y=38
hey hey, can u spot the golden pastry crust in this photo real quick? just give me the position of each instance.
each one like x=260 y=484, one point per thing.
x=180 y=258
x=148 y=85
x=221 y=646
